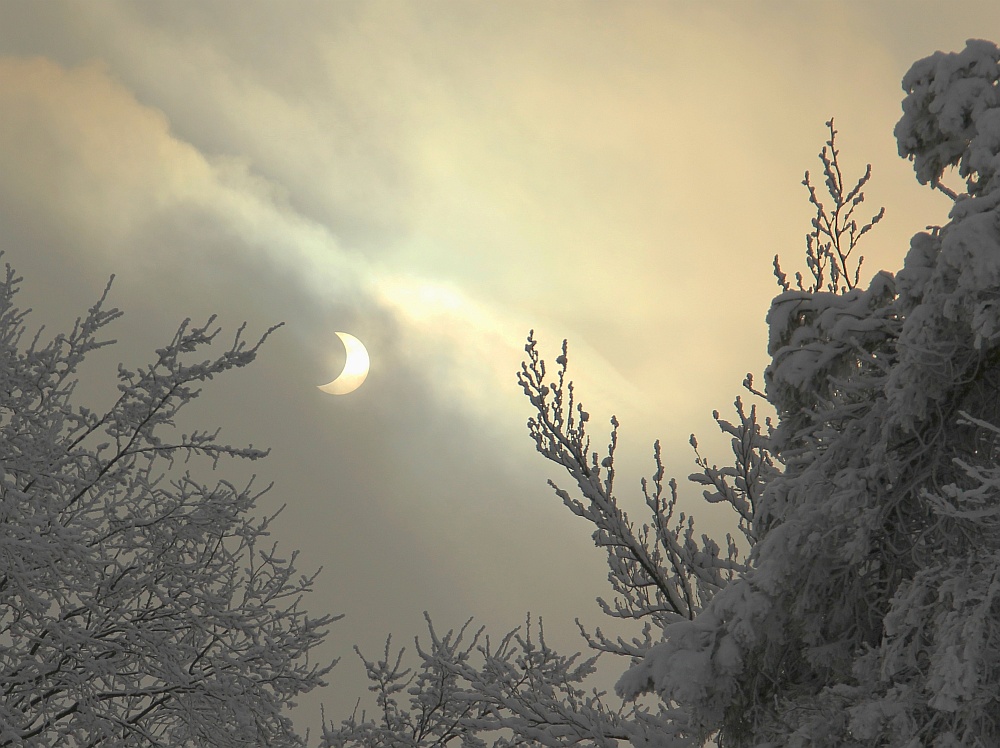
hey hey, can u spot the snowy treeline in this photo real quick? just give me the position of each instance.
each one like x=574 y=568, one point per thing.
x=856 y=603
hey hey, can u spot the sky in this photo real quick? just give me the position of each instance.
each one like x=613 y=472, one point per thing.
x=438 y=179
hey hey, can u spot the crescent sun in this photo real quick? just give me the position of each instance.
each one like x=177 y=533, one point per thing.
x=355 y=368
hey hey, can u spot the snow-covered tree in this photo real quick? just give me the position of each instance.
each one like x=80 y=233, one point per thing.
x=139 y=605
x=868 y=610
x=518 y=691
x=869 y=614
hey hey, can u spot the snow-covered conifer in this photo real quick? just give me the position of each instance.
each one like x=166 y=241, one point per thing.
x=868 y=616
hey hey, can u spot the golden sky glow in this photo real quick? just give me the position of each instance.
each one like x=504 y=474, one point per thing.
x=438 y=178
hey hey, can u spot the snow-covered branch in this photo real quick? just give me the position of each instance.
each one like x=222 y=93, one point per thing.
x=138 y=605
x=475 y=692
x=660 y=571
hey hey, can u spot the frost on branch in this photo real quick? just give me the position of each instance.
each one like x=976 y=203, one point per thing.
x=662 y=574
x=835 y=233
x=138 y=605
x=467 y=688
x=661 y=571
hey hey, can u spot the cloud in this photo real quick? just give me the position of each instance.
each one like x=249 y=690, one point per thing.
x=100 y=175
x=95 y=182
x=113 y=190
x=438 y=179
x=107 y=177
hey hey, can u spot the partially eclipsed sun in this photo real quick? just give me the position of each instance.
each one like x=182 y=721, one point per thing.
x=355 y=368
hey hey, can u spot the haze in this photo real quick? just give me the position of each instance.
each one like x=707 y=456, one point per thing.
x=437 y=179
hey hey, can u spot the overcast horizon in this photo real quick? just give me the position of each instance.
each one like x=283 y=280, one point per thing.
x=437 y=180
